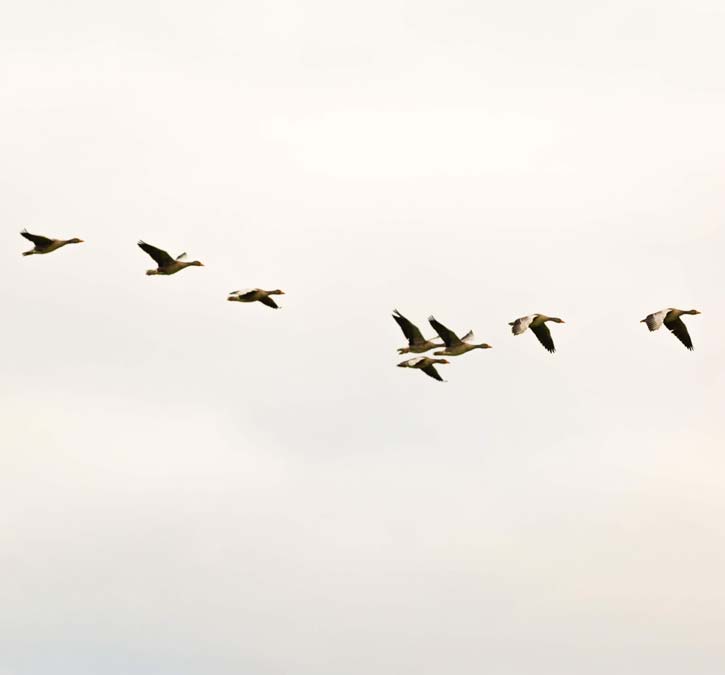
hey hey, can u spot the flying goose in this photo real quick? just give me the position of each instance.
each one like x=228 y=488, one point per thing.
x=537 y=323
x=166 y=264
x=426 y=364
x=255 y=295
x=416 y=343
x=45 y=244
x=671 y=319
x=455 y=346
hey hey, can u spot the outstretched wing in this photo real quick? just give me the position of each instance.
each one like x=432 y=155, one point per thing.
x=679 y=330
x=655 y=320
x=181 y=256
x=543 y=334
x=447 y=335
x=162 y=258
x=410 y=330
x=266 y=300
x=38 y=240
x=521 y=324
x=431 y=371
x=468 y=337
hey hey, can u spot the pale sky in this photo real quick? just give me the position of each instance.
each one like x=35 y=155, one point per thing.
x=191 y=486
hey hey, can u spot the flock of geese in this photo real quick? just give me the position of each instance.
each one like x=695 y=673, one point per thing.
x=165 y=264
x=455 y=346
x=451 y=344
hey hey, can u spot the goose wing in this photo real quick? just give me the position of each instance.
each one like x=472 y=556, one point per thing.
x=410 y=330
x=468 y=337
x=37 y=239
x=162 y=258
x=431 y=371
x=521 y=324
x=247 y=293
x=266 y=300
x=446 y=334
x=543 y=334
x=678 y=328
x=656 y=319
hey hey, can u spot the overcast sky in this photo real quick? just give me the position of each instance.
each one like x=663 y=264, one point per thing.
x=190 y=486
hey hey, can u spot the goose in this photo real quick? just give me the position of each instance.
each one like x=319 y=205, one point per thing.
x=671 y=319
x=537 y=323
x=166 y=264
x=45 y=244
x=455 y=346
x=426 y=364
x=416 y=343
x=255 y=295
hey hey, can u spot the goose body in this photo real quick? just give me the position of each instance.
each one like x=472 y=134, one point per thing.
x=166 y=264
x=46 y=244
x=255 y=295
x=671 y=318
x=537 y=324
x=417 y=344
x=454 y=346
x=426 y=364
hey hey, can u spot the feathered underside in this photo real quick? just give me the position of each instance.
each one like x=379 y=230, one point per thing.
x=521 y=324
x=655 y=320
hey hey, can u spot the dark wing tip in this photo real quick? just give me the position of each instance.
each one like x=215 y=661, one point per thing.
x=543 y=335
x=679 y=330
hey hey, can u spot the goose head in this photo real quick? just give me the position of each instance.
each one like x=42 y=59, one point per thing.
x=692 y=311
x=195 y=263
x=75 y=240
x=484 y=345
x=276 y=292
